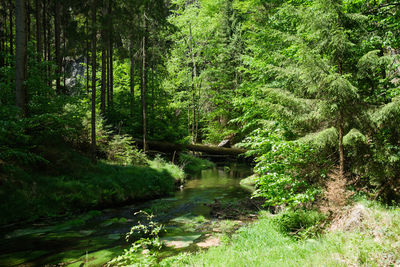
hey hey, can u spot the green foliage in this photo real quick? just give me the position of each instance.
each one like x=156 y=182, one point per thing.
x=300 y=223
x=176 y=171
x=282 y=175
x=192 y=164
x=75 y=185
x=121 y=150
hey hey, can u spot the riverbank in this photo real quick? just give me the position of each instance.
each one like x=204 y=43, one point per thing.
x=364 y=234
x=75 y=185
x=28 y=196
x=209 y=205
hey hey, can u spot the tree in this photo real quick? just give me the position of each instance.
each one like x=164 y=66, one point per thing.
x=144 y=85
x=94 y=67
x=21 y=56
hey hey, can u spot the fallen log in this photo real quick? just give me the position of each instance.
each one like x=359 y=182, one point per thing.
x=171 y=147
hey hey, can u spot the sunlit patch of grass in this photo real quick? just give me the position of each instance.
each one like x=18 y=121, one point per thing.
x=192 y=164
x=374 y=243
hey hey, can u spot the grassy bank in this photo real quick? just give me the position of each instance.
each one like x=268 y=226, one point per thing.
x=192 y=164
x=366 y=234
x=76 y=184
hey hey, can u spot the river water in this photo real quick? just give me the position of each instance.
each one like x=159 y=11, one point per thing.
x=194 y=217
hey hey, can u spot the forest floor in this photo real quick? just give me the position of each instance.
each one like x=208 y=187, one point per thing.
x=362 y=234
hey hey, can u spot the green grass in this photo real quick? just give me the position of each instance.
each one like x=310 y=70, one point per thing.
x=374 y=243
x=177 y=172
x=192 y=164
x=74 y=185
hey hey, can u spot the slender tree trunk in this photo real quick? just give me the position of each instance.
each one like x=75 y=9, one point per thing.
x=103 y=61
x=11 y=7
x=340 y=128
x=64 y=61
x=38 y=30
x=108 y=79
x=57 y=37
x=94 y=66
x=21 y=55
x=48 y=22
x=87 y=56
x=103 y=81
x=341 y=147
x=132 y=78
x=44 y=19
x=111 y=51
x=198 y=111
x=144 y=85
x=194 y=77
x=2 y=34
x=28 y=21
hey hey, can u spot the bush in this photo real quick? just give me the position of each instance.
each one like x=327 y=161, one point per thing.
x=283 y=176
x=121 y=150
x=299 y=223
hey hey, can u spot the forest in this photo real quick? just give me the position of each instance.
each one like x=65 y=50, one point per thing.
x=200 y=133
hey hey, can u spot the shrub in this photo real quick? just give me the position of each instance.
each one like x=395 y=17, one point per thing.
x=299 y=223
x=121 y=149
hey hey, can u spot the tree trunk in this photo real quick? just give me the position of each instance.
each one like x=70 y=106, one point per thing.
x=111 y=51
x=48 y=22
x=103 y=62
x=64 y=61
x=194 y=76
x=94 y=66
x=132 y=78
x=108 y=78
x=341 y=148
x=87 y=56
x=38 y=30
x=20 y=61
x=170 y=148
x=10 y=14
x=44 y=19
x=340 y=128
x=144 y=84
x=57 y=37
x=28 y=21
x=2 y=34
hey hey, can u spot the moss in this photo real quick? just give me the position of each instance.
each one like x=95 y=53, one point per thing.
x=98 y=258
x=20 y=257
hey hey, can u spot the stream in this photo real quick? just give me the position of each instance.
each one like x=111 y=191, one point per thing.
x=212 y=204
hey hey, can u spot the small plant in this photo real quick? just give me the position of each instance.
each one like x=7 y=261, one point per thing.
x=121 y=150
x=141 y=251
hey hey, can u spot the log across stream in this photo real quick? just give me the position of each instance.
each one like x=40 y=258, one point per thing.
x=171 y=148
x=210 y=204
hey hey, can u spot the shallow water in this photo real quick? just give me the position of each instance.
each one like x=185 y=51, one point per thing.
x=97 y=236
